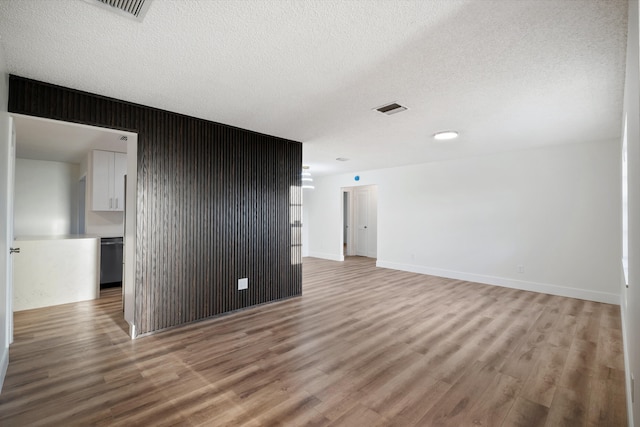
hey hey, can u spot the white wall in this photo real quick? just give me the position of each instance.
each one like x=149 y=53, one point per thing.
x=45 y=198
x=305 y=229
x=104 y=224
x=630 y=301
x=5 y=307
x=553 y=210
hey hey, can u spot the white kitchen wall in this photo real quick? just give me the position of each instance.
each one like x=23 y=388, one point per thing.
x=630 y=297
x=546 y=219
x=45 y=198
x=104 y=224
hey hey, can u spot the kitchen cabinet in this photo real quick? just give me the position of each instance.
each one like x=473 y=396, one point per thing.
x=107 y=174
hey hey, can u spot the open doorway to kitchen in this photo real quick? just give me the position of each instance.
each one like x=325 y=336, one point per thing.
x=70 y=194
x=360 y=221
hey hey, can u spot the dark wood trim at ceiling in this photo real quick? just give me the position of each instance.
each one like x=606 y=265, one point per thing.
x=215 y=204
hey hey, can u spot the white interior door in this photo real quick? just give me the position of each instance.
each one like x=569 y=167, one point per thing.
x=362 y=221
x=347 y=228
x=6 y=240
x=7 y=165
x=11 y=176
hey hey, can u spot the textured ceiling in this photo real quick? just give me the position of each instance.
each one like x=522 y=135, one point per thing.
x=506 y=74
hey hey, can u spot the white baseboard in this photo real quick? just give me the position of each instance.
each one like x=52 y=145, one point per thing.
x=331 y=257
x=544 y=288
x=4 y=365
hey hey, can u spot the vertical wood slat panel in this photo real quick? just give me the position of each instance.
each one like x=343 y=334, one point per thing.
x=214 y=204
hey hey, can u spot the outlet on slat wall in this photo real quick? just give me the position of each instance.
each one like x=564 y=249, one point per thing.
x=214 y=204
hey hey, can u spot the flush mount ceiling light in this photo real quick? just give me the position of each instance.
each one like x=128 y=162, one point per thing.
x=445 y=135
x=307 y=181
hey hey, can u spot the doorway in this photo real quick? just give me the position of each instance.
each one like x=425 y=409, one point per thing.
x=45 y=141
x=360 y=221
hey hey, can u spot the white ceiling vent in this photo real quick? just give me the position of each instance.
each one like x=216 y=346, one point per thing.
x=390 y=109
x=134 y=9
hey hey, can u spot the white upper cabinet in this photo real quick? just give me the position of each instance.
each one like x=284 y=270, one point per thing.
x=108 y=171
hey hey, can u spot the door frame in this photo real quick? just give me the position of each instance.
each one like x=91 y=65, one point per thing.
x=7 y=159
x=351 y=215
x=11 y=178
x=348 y=212
x=130 y=222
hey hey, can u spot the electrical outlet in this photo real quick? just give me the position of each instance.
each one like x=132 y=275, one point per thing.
x=243 y=284
x=520 y=268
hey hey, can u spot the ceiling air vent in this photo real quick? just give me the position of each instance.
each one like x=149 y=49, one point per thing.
x=390 y=109
x=135 y=9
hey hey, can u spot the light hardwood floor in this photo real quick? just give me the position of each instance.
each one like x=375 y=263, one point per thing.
x=362 y=347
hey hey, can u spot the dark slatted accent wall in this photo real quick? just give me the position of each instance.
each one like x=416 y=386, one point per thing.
x=215 y=204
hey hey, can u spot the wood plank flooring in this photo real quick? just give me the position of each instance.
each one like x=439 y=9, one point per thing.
x=363 y=346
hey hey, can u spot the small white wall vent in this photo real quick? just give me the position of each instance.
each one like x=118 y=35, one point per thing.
x=135 y=9
x=390 y=109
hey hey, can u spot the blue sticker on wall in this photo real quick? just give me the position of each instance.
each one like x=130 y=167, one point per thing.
x=356 y=178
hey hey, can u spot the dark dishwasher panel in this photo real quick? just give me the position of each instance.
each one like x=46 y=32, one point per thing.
x=110 y=262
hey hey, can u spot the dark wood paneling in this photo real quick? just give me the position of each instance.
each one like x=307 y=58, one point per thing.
x=215 y=204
